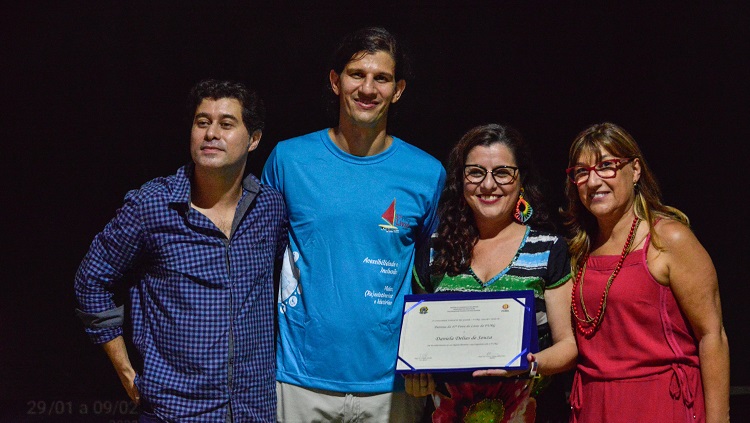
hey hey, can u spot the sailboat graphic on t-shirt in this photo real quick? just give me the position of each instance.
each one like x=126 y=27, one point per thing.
x=390 y=217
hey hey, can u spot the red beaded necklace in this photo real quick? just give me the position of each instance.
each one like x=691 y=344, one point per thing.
x=587 y=324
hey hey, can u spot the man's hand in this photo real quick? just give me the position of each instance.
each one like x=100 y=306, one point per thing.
x=127 y=379
x=419 y=385
x=118 y=355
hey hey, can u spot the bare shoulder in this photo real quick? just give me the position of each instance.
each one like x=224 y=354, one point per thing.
x=674 y=235
x=674 y=240
x=682 y=254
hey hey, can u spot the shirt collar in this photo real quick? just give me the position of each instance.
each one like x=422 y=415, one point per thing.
x=180 y=193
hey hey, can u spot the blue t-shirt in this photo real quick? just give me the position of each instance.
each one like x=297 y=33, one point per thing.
x=354 y=225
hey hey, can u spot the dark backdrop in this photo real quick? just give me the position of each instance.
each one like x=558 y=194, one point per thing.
x=94 y=98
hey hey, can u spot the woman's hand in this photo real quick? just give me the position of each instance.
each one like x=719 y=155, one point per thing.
x=504 y=373
x=419 y=385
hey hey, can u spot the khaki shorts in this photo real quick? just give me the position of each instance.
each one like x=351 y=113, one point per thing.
x=302 y=405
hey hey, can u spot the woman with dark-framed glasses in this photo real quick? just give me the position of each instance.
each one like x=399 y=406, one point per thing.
x=494 y=236
x=645 y=303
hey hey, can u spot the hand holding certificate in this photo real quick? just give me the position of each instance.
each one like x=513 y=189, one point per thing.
x=467 y=331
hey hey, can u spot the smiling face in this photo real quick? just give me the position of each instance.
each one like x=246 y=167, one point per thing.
x=219 y=138
x=491 y=203
x=366 y=88
x=608 y=198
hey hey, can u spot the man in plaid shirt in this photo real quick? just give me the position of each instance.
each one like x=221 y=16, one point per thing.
x=203 y=243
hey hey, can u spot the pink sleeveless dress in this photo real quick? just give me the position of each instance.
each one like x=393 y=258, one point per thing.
x=641 y=364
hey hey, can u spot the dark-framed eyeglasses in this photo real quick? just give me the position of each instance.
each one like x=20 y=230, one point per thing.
x=605 y=169
x=503 y=175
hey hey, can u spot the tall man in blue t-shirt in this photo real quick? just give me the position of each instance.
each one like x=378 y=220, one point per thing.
x=359 y=201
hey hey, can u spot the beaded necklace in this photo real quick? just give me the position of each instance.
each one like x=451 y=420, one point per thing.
x=588 y=324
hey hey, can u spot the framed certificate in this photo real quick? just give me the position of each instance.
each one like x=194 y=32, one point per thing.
x=460 y=332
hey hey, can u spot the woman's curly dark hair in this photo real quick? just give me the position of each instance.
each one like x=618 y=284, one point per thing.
x=457 y=232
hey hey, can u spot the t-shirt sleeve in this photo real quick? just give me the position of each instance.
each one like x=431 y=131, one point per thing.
x=271 y=174
x=558 y=266
x=422 y=261
x=431 y=219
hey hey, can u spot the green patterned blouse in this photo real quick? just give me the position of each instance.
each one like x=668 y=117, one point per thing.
x=541 y=263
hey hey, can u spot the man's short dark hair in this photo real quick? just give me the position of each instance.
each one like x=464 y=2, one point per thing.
x=370 y=39
x=253 y=109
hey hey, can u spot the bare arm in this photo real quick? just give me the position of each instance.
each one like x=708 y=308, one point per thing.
x=688 y=270
x=562 y=354
x=118 y=355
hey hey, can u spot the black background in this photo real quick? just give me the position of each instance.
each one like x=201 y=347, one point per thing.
x=94 y=105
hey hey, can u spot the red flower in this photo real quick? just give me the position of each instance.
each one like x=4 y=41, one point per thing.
x=473 y=402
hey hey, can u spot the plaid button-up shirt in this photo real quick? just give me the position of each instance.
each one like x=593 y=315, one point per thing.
x=202 y=310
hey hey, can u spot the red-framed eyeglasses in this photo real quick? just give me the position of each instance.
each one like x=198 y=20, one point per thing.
x=605 y=169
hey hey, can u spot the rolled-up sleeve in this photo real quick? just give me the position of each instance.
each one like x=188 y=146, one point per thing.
x=110 y=256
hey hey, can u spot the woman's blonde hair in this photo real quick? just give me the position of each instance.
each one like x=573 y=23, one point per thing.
x=648 y=205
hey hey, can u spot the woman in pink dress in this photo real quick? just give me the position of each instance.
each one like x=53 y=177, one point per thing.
x=646 y=308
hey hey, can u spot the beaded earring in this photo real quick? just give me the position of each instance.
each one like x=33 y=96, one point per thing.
x=523 y=209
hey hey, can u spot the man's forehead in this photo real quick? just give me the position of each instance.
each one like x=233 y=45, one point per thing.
x=221 y=100
x=357 y=58
x=223 y=104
